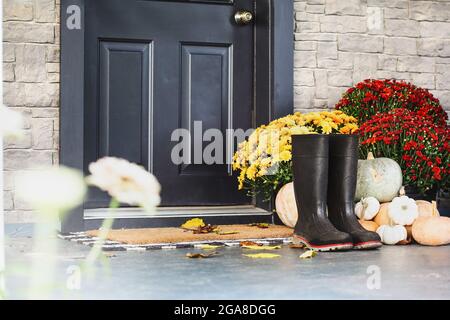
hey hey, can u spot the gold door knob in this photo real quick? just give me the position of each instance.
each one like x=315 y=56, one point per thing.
x=243 y=17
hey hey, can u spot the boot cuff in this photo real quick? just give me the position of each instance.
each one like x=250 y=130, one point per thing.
x=310 y=145
x=344 y=145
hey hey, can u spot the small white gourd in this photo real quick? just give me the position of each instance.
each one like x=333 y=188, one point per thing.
x=367 y=208
x=403 y=210
x=392 y=234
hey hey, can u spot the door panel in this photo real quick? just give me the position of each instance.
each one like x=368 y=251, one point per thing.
x=124 y=100
x=155 y=66
x=205 y=67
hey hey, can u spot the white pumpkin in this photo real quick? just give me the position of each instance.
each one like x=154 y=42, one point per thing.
x=392 y=234
x=403 y=210
x=367 y=208
x=286 y=206
x=380 y=178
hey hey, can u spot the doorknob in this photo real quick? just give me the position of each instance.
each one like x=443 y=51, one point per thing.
x=243 y=17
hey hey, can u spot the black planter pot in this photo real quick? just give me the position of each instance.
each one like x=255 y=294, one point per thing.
x=443 y=203
x=414 y=193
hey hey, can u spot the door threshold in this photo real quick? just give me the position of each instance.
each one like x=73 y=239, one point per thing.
x=176 y=212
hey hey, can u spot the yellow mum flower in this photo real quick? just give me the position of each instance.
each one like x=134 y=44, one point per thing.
x=285 y=156
x=266 y=162
x=326 y=127
x=349 y=128
x=300 y=130
x=251 y=172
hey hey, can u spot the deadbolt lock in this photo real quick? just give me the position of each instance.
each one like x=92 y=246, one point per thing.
x=243 y=17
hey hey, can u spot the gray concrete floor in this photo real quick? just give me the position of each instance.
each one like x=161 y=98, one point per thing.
x=406 y=272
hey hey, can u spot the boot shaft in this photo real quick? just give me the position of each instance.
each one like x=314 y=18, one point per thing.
x=310 y=171
x=343 y=172
x=343 y=167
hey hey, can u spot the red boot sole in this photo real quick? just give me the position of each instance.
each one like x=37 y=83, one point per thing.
x=323 y=248
x=367 y=245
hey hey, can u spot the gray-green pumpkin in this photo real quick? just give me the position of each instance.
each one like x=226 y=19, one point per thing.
x=380 y=178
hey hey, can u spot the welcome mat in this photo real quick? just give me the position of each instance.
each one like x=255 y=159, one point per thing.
x=173 y=238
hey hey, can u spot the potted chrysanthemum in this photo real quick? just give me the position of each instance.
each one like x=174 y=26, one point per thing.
x=418 y=145
x=264 y=160
x=406 y=123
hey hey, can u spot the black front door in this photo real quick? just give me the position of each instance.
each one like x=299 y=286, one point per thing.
x=152 y=67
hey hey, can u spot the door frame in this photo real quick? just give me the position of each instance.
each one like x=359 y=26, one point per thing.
x=273 y=98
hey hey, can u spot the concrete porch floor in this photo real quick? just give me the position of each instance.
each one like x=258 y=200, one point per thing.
x=407 y=272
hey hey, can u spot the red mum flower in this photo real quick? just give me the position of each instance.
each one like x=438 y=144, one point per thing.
x=372 y=96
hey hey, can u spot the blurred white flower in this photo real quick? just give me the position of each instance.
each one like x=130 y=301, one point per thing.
x=11 y=122
x=126 y=182
x=57 y=189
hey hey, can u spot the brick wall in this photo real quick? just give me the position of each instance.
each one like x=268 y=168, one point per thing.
x=341 y=42
x=31 y=86
x=337 y=44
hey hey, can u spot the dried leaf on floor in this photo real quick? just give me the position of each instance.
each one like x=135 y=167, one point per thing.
x=297 y=246
x=308 y=254
x=262 y=255
x=225 y=233
x=206 y=229
x=200 y=255
x=260 y=225
x=249 y=243
x=193 y=224
x=208 y=247
x=405 y=242
x=262 y=247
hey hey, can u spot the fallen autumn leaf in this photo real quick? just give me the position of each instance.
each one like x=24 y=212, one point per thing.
x=224 y=233
x=200 y=255
x=262 y=247
x=262 y=255
x=297 y=246
x=208 y=247
x=308 y=254
x=193 y=224
x=260 y=225
x=249 y=243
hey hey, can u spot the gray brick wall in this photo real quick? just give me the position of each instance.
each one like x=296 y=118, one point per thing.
x=31 y=86
x=337 y=43
x=341 y=42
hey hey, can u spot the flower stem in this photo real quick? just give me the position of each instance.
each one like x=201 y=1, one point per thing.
x=104 y=230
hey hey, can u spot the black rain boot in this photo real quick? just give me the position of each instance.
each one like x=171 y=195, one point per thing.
x=310 y=170
x=343 y=167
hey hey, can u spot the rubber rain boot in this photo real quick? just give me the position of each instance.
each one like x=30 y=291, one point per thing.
x=310 y=170
x=343 y=167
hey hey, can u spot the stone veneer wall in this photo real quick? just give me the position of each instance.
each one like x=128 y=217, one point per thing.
x=337 y=44
x=341 y=42
x=31 y=86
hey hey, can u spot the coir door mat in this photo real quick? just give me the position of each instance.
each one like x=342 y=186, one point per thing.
x=174 y=235
x=170 y=238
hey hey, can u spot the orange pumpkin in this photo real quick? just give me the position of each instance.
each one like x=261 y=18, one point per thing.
x=286 y=206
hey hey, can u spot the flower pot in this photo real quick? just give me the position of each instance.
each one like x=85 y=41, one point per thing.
x=414 y=193
x=443 y=203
